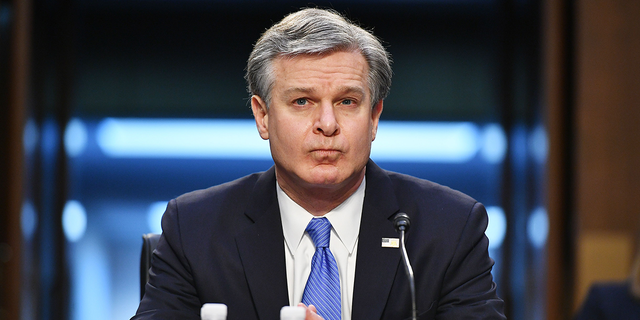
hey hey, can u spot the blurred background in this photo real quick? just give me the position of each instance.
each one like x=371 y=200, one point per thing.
x=110 y=108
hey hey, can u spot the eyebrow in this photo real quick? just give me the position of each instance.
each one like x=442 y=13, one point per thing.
x=289 y=91
x=348 y=89
x=343 y=90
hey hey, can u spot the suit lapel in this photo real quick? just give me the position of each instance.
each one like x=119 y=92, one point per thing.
x=376 y=267
x=261 y=249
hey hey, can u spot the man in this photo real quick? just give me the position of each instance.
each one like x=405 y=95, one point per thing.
x=318 y=84
x=613 y=299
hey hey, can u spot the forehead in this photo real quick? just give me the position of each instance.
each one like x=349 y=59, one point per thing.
x=341 y=68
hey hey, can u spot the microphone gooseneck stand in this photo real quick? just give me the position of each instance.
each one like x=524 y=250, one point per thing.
x=402 y=223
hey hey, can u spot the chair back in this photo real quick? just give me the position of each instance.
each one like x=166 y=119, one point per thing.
x=149 y=243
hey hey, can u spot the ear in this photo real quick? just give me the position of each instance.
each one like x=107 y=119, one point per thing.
x=261 y=115
x=375 y=118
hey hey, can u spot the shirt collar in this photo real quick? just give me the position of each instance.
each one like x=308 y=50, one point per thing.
x=345 y=218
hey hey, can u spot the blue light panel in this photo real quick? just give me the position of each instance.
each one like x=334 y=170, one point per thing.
x=447 y=142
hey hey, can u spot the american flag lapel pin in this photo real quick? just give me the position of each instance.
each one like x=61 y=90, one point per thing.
x=390 y=242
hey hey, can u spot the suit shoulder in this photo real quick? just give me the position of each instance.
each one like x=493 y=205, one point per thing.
x=610 y=289
x=216 y=207
x=437 y=207
x=235 y=189
x=410 y=187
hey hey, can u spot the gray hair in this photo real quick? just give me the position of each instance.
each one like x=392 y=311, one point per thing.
x=316 y=31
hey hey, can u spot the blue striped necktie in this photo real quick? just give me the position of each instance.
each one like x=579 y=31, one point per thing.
x=323 y=287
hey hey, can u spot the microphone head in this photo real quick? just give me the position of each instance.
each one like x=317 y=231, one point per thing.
x=401 y=222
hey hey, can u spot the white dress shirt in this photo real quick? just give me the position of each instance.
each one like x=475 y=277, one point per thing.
x=343 y=243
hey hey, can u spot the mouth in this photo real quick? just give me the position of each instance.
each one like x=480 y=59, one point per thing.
x=326 y=155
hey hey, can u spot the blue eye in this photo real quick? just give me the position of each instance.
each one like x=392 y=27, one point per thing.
x=301 y=101
x=347 y=102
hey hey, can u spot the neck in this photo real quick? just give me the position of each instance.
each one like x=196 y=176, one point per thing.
x=319 y=200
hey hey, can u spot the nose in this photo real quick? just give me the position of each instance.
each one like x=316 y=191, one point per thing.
x=326 y=122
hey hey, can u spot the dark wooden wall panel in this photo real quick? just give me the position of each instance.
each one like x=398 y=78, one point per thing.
x=607 y=135
x=608 y=115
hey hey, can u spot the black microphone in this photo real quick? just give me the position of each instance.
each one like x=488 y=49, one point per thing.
x=402 y=223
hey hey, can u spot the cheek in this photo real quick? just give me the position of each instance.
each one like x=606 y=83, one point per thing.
x=287 y=137
x=361 y=137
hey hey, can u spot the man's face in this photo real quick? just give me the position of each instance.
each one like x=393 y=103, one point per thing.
x=320 y=123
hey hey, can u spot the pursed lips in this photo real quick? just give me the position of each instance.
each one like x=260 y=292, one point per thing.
x=326 y=154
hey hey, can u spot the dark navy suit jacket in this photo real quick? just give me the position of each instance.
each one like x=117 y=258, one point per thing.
x=225 y=244
x=609 y=301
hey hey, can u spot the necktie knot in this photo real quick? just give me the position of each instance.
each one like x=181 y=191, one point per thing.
x=319 y=230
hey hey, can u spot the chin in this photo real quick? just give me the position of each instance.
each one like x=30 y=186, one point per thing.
x=325 y=177
x=325 y=181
